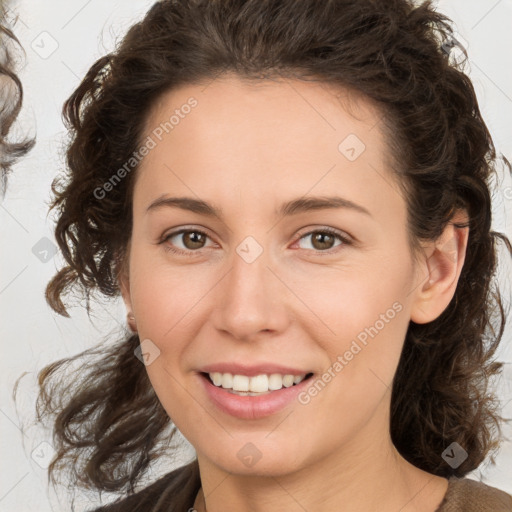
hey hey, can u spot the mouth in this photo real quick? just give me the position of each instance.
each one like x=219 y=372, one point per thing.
x=258 y=385
x=252 y=397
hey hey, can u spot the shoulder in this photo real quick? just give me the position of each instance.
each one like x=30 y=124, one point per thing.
x=175 y=491
x=464 y=494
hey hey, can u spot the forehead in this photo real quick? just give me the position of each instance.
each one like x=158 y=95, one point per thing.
x=265 y=137
x=265 y=107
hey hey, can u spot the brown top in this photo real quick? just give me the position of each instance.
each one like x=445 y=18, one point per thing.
x=465 y=495
x=176 y=492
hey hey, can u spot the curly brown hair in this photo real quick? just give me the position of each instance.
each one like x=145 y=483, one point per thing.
x=11 y=98
x=108 y=422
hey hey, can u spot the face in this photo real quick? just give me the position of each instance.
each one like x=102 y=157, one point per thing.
x=311 y=288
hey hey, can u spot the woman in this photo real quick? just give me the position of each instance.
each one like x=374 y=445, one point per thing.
x=11 y=99
x=292 y=199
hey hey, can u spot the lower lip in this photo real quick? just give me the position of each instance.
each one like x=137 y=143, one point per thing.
x=252 y=407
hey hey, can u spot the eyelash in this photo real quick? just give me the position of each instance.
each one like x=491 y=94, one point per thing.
x=191 y=253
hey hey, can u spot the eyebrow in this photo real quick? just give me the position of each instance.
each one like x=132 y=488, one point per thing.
x=293 y=207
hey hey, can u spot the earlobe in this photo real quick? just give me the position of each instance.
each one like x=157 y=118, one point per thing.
x=125 y=292
x=439 y=274
x=130 y=317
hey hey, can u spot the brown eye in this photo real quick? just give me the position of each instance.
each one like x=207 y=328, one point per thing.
x=185 y=241
x=324 y=240
x=193 y=239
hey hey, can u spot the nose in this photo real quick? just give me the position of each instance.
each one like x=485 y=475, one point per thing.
x=251 y=300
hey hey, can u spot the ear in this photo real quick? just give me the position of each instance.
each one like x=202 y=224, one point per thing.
x=439 y=271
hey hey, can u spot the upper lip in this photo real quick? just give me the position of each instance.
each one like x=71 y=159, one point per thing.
x=252 y=370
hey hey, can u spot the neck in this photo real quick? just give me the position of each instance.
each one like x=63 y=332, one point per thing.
x=371 y=476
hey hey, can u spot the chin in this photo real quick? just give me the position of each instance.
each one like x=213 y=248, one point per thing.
x=257 y=458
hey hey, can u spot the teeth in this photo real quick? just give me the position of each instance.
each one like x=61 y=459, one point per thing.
x=226 y=380
x=288 y=381
x=275 y=381
x=257 y=384
x=240 y=383
x=216 y=378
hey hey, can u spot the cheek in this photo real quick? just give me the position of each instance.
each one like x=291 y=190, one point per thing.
x=348 y=300
x=369 y=325
x=163 y=297
x=362 y=317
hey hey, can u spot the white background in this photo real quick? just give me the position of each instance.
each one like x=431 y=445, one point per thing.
x=32 y=335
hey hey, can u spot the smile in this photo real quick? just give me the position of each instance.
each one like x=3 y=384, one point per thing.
x=235 y=394
x=244 y=384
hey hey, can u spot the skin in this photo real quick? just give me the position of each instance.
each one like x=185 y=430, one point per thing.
x=248 y=147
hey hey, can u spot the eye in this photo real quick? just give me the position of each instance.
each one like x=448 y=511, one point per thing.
x=323 y=240
x=192 y=239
